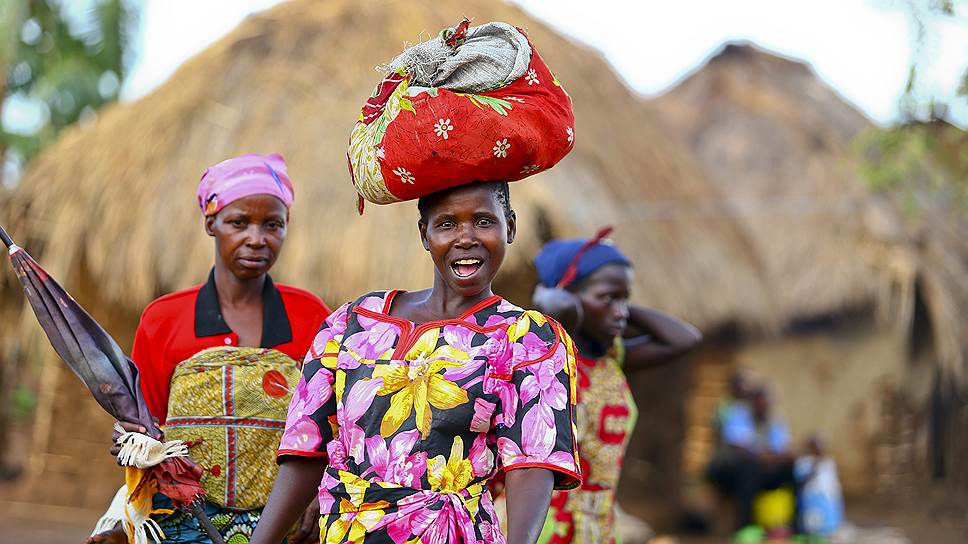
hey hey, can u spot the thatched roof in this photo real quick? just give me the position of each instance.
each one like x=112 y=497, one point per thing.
x=115 y=199
x=921 y=231
x=777 y=142
x=783 y=148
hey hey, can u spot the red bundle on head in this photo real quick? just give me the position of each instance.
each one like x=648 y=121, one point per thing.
x=473 y=104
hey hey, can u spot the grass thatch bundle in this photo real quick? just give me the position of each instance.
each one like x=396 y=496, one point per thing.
x=777 y=142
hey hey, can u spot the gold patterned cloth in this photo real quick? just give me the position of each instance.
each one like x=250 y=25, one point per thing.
x=229 y=404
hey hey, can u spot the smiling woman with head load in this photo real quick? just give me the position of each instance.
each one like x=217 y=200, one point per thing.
x=218 y=361
x=411 y=401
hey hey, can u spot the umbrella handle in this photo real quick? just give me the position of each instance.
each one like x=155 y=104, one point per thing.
x=7 y=241
x=195 y=507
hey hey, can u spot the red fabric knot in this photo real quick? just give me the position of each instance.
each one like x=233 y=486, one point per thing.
x=572 y=271
x=459 y=34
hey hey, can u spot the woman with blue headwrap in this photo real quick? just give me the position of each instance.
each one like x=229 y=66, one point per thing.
x=586 y=285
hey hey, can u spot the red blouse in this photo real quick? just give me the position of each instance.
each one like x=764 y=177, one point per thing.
x=179 y=325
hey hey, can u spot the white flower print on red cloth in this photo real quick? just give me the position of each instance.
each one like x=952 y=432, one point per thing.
x=442 y=127
x=532 y=77
x=501 y=148
x=405 y=175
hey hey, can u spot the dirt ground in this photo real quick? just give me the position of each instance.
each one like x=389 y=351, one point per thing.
x=22 y=523
x=25 y=523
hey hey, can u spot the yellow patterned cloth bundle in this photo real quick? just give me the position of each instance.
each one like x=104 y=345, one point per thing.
x=229 y=404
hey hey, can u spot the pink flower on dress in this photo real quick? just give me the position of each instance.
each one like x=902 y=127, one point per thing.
x=354 y=405
x=302 y=433
x=336 y=451
x=345 y=361
x=450 y=523
x=376 y=337
x=491 y=533
x=542 y=380
x=459 y=337
x=483 y=412
x=374 y=343
x=538 y=437
x=334 y=326
x=480 y=456
x=499 y=355
x=311 y=396
x=326 y=499
x=395 y=465
x=530 y=347
x=499 y=320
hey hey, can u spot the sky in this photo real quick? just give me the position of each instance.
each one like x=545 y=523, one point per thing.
x=862 y=48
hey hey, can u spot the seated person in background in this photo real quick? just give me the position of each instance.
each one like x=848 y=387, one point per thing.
x=738 y=399
x=821 y=502
x=754 y=453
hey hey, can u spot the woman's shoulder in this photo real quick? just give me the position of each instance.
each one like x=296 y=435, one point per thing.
x=530 y=318
x=540 y=334
x=306 y=299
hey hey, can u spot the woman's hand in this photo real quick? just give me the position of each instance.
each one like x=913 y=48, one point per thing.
x=296 y=486
x=528 y=493
x=663 y=338
x=307 y=528
x=560 y=304
x=128 y=427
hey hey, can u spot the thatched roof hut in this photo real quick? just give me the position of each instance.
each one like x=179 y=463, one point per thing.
x=777 y=142
x=109 y=209
x=783 y=149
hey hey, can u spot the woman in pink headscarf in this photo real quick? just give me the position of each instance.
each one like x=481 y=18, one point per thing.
x=238 y=324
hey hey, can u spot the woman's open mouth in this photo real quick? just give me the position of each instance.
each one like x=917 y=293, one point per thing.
x=465 y=268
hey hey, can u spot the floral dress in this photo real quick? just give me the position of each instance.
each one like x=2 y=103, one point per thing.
x=414 y=419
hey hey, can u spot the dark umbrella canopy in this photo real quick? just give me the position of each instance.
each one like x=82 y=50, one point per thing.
x=86 y=348
x=108 y=373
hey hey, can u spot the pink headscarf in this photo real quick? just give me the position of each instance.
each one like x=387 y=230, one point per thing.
x=244 y=176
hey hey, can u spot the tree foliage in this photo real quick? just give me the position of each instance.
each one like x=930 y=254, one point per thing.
x=63 y=61
x=924 y=158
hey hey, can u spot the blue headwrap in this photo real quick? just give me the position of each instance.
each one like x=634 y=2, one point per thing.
x=575 y=260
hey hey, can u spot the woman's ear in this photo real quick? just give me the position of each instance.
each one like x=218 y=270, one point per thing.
x=210 y=225
x=422 y=227
x=512 y=226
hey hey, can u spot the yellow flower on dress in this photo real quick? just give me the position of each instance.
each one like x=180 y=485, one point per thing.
x=419 y=385
x=356 y=517
x=328 y=357
x=519 y=328
x=452 y=475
